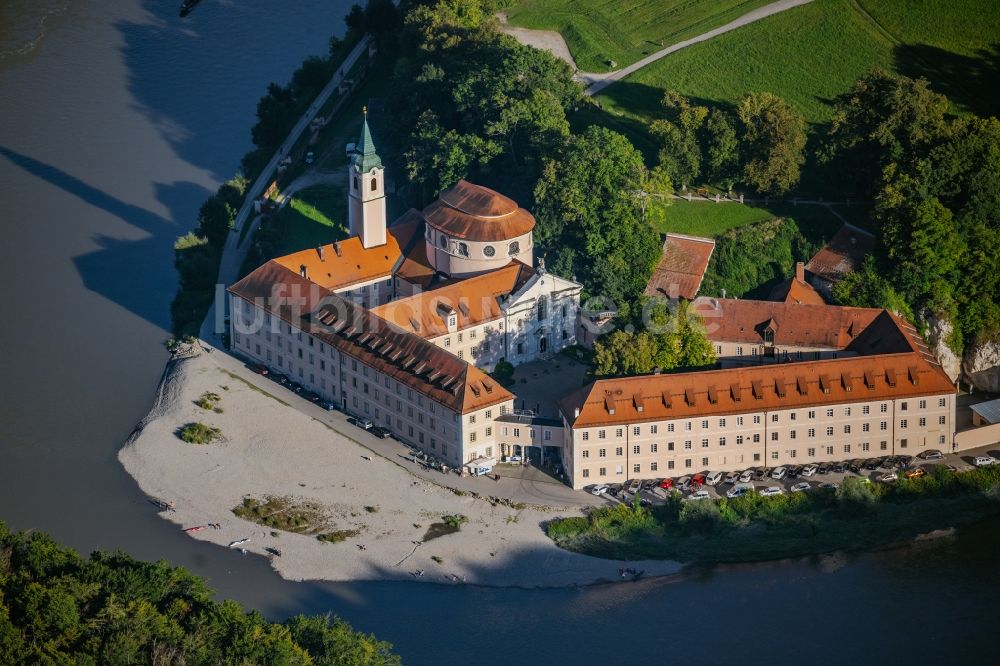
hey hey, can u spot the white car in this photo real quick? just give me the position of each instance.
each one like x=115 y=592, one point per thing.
x=713 y=478
x=739 y=490
x=888 y=477
x=732 y=478
x=984 y=461
x=779 y=473
x=699 y=495
x=770 y=491
x=747 y=476
x=599 y=490
x=809 y=470
x=800 y=487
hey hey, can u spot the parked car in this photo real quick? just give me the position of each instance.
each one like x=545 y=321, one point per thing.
x=649 y=484
x=916 y=473
x=747 y=476
x=310 y=157
x=857 y=465
x=732 y=478
x=951 y=468
x=930 y=454
x=327 y=405
x=824 y=467
x=364 y=424
x=903 y=461
x=984 y=461
x=801 y=487
x=770 y=491
x=278 y=377
x=793 y=471
x=667 y=484
x=779 y=473
x=873 y=464
x=683 y=484
x=699 y=495
x=296 y=388
x=634 y=486
x=887 y=463
x=762 y=473
x=599 y=490
x=513 y=459
x=841 y=466
x=888 y=477
x=310 y=396
x=739 y=490
x=809 y=470
x=381 y=433
x=261 y=369
x=713 y=478
x=697 y=481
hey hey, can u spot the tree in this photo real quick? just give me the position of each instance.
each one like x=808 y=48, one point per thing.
x=722 y=149
x=773 y=140
x=884 y=118
x=215 y=218
x=680 y=150
x=867 y=288
x=588 y=217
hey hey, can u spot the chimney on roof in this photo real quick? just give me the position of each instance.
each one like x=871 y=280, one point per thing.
x=576 y=412
x=336 y=247
x=800 y=271
x=303 y=271
x=321 y=251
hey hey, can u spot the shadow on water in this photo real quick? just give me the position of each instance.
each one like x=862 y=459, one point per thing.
x=101 y=271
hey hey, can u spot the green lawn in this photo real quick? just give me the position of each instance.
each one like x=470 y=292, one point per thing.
x=811 y=53
x=314 y=216
x=599 y=31
x=818 y=223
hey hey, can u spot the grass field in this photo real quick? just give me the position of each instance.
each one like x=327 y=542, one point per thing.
x=600 y=31
x=811 y=53
x=314 y=216
x=817 y=223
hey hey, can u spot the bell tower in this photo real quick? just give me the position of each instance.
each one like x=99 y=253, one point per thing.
x=366 y=191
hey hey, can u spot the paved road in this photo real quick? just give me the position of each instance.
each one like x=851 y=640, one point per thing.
x=595 y=82
x=233 y=254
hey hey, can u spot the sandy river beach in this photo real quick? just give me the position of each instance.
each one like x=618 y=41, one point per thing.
x=269 y=448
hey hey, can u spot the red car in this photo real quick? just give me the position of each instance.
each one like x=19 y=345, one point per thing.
x=667 y=484
x=697 y=481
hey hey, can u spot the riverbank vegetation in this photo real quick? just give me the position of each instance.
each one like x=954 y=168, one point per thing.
x=199 y=433
x=58 y=607
x=857 y=515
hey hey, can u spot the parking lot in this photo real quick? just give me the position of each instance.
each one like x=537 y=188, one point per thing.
x=790 y=478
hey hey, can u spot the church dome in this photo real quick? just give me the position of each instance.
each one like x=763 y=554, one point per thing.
x=477 y=213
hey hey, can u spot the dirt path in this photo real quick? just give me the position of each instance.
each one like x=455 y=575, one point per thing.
x=595 y=82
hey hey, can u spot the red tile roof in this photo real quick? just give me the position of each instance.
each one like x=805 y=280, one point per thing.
x=477 y=213
x=842 y=255
x=344 y=263
x=793 y=324
x=682 y=267
x=474 y=300
x=407 y=358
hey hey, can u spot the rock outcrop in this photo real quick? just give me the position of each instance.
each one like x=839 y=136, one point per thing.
x=981 y=366
x=938 y=332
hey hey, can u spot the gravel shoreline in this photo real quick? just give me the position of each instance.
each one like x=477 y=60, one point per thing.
x=271 y=449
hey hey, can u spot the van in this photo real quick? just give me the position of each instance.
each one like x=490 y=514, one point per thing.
x=713 y=478
x=482 y=470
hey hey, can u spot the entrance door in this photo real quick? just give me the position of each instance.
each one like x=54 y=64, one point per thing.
x=543 y=345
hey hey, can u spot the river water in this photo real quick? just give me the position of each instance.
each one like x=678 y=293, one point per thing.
x=117 y=119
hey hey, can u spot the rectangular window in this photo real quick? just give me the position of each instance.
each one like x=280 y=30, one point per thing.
x=774 y=455
x=756 y=437
x=652 y=429
x=883 y=445
x=722 y=441
x=847 y=448
x=670 y=464
x=942 y=402
x=586 y=436
x=902 y=423
x=652 y=466
x=739 y=420
x=847 y=429
x=652 y=448
x=865 y=410
x=602 y=453
x=829 y=431
x=687 y=463
x=774 y=436
x=687 y=444
x=635 y=449
x=756 y=419
x=704 y=443
x=865 y=427
x=585 y=454
x=739 y=439
x=829 y=450
x=635 y=430
x=619 y=432
x=603 y=471
x=812 y=432
x=902 y=406
x=586 y=473
x=619 y=451
x=922 y=422
x=941 y=420
x=812 y=413
x=774 y=418
x=670 y=427
x=811 y=453
x=636 y=468
x=829 y=413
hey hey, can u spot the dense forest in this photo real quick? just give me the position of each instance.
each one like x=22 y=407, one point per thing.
x=57 y=607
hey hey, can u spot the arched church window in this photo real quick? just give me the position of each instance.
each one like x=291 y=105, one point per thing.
x=513 y=248
x=489 y=251
x=374 y=184
x=355 y=182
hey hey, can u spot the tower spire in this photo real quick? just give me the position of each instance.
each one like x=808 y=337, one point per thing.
x=365 y=157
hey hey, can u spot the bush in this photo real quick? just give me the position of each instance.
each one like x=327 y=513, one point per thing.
x=701 y=516
x=454 y=521
x=199 y=433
